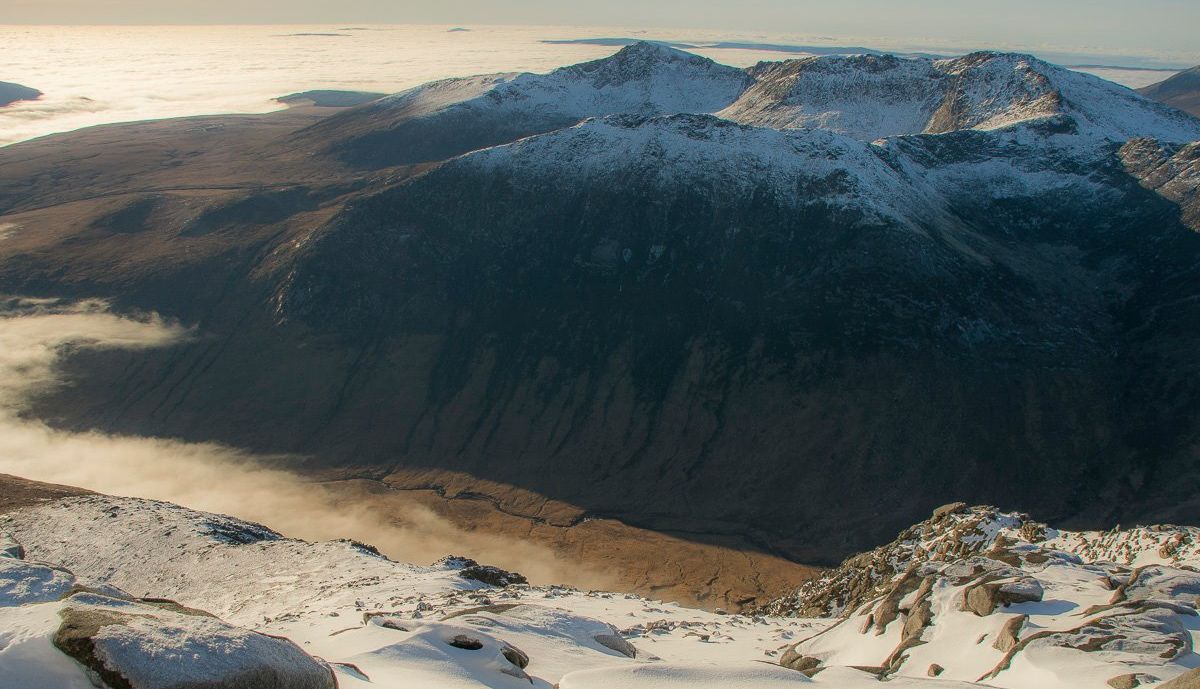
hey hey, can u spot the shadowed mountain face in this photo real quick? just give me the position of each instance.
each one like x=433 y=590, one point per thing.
x=1181 y=91
x=771 y=328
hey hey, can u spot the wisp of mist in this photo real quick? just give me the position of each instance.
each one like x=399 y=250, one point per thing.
x=36 y=334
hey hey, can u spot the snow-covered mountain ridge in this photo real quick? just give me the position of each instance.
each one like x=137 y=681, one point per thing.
x=896 y=138
x=872 y=97
x=865 y=96
x=139 y=580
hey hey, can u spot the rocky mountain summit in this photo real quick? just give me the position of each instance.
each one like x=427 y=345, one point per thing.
x=875 y=96
x=982 y=595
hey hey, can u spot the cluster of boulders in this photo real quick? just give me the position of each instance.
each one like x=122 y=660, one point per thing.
x=487 y=574
x=977 y=563
x=953 y=532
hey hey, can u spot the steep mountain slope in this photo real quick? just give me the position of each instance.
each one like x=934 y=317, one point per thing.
x=138 y=587
x=1173 y=172
x=1181 y=91
x=796 y=338
x=711 y=269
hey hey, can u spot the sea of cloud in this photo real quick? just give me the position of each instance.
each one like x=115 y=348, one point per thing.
x=98 y=75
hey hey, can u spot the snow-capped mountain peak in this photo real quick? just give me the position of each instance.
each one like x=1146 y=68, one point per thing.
x=639 y=61
x=870 y=97
x=867 y=97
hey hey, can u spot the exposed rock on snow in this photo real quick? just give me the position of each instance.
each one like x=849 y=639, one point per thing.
x=10 y=548
x=995 y=590
x=995 y=597
x=130 y=645
x=956 y=533
x=126 y=643
x=1171 y=171
x=492 y=576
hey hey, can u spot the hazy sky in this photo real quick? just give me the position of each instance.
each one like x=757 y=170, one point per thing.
x=1134 y=26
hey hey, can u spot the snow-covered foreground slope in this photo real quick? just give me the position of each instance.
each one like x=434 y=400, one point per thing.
x=377 y=622
x=374 y=622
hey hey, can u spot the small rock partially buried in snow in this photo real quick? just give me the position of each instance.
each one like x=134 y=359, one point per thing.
x=616 y=643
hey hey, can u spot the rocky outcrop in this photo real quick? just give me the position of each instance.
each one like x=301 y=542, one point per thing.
x=798 y=662
x=1130 y=680
x=616 y=642
x=971 y=593
x=1173 y=172
x=487 y=574
x=130 y=645
x=125 y=642
x=1010 y=634
x=959 y=536
x=984 y=597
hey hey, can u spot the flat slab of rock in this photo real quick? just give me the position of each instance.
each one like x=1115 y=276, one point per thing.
x=131 y=645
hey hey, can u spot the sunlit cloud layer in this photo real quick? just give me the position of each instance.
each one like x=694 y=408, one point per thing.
x=99 y=75
x=36 y=333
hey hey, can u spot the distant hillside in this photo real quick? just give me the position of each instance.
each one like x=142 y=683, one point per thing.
x=1181 y=91
x=11 y=93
